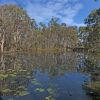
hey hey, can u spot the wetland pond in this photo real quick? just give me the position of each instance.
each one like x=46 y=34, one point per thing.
x=46 y=76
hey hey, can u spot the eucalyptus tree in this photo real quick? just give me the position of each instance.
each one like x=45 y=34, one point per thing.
x=15 y=26
x=19 y=32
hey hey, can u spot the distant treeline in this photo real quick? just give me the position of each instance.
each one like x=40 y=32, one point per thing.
x=19 y=32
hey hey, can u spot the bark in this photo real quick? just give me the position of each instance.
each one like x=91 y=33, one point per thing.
x=2 y=44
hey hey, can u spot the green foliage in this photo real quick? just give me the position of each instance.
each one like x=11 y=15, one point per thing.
x=93 y=30
x=93 y=18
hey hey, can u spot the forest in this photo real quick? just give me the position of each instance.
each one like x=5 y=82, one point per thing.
x=18 y=32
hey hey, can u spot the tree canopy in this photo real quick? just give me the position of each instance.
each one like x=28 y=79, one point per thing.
x=93 y=29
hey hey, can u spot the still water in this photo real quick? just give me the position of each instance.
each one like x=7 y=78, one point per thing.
x=44 y=76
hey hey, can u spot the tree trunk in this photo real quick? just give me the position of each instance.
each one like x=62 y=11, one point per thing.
x=2 y=63
x=2 y=44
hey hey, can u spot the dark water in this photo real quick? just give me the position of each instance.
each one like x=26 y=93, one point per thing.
x=44 y=76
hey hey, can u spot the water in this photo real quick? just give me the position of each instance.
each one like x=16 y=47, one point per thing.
x=43 y=76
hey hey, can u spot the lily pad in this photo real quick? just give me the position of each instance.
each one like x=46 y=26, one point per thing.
x=12 y=75
x=23 y=93
x=35 y=82
x=2 y=76
x=39 y=90
x=6 y=90
x=49 y=98
x=49 y=89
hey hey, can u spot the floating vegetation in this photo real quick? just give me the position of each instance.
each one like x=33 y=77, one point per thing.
x=10 y=99
x=49 y=98
x=39 y=90
x=35 y=82
x=23 y=93
x=52 y=91
x=21 y=87
x=6 y=91
x=12 y=75
x=22 y=70
x=49 y=90
x=3 y=76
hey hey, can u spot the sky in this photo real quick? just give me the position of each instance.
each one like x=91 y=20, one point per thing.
x=71 y=12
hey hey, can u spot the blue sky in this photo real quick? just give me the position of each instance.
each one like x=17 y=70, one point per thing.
x=72 y=12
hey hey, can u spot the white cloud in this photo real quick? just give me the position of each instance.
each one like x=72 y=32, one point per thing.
x=66 y=10
x=43 y=10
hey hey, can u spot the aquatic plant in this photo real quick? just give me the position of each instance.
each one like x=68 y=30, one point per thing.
x=39 y=90
x=3 y=76
x=49 y=98
x=35 y=82
x=23 y=93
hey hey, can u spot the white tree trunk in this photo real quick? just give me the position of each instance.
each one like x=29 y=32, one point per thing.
x=2 y=44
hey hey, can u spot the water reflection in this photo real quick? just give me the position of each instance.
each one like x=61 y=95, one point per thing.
x=92 y=63
x=43 y=76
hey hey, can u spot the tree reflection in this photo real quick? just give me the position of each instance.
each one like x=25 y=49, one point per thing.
x=92 y=64
x=17 y=70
